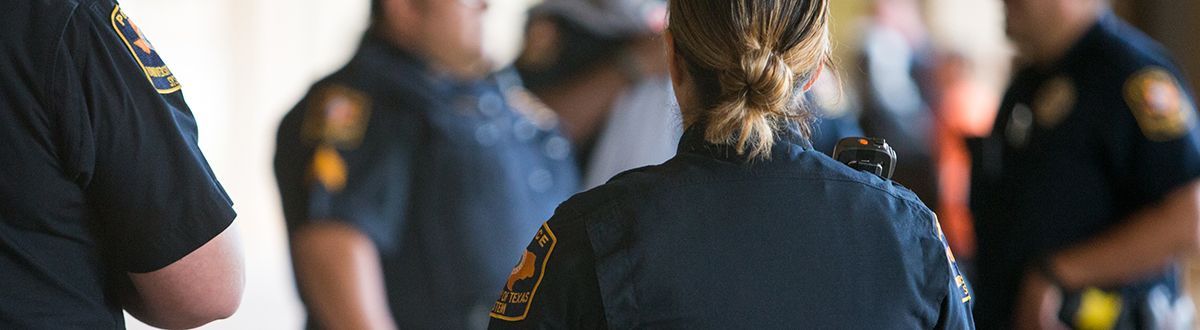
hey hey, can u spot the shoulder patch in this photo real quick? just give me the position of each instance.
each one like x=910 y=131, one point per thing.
x=143 y=52
x=337 y=116
x=1054 y=101
x=1159 y=104
x=952 y=261
x=519 y=290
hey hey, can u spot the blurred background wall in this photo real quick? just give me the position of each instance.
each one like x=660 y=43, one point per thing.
x=1172 y=23
x=243 y=64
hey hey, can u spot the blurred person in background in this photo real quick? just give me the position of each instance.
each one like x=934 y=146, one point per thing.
x=895 y=88
x=411 y=175
x=106 y=202
x=600 y=65
x=964 y=109
x=747 y=227
x=1085 y=194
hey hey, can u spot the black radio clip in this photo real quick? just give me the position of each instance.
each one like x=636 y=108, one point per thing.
x=872 y=155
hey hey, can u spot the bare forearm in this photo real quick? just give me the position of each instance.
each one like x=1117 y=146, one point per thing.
x=1144 y=245
x=204 y=286
x=339 y=274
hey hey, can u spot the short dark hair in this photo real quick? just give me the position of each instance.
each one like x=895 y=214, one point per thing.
x=579 y=50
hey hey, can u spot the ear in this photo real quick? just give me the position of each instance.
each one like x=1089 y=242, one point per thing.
x=402 y=13
x=813 y=81
x=542 y=44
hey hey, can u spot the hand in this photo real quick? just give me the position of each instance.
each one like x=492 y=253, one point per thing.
x=1038 y=304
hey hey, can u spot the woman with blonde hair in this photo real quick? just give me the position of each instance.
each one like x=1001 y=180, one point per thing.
x=747 y=226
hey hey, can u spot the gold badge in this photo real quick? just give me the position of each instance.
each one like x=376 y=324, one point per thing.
x=1162 y=110
x=1054 y=102
x=337 y=116
x=517 y=295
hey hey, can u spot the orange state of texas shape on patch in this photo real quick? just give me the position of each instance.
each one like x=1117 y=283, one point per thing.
x=522 y=284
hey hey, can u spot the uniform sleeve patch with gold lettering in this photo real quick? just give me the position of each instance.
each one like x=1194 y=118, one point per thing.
x=1054 y=102
x=1159 y=104
x=143 y=52
x=959 y=281
x=519 y=290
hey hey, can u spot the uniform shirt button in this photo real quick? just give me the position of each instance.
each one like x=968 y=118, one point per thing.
x=524 y=130
x=557 y=148
x=490 y=104
x=487 y=134
x=1019 y=126
x=541 y=180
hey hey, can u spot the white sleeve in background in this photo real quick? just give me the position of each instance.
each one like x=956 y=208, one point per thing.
x=643 y=129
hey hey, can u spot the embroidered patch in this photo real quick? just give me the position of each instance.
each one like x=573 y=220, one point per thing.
x=519 y=290
x=337 y=116
x=958 y=277
x=143 y=52
x=1054 y=102
x=1162 y=110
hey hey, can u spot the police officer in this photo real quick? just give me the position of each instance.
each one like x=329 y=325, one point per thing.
x=747 y=227
x=106 y=202
x=408 y=174
x=1085 y=193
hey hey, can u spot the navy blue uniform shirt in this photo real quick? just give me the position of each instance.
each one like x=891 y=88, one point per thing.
x=100 y=172
x=709 y=240
x=1078 y=147
x=446 y=178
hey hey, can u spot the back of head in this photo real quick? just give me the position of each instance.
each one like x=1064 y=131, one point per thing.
x=748 y=59
x=615 y=19
x=567 y=40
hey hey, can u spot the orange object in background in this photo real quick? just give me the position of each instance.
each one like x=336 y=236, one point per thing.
x=967 y=108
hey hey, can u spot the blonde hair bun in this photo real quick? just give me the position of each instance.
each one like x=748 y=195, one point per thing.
x=749 y=58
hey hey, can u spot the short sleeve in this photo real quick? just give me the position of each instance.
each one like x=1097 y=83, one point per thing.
x=132 y=145
x=1164 y=150
x=339 y=160
x=553 y=285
